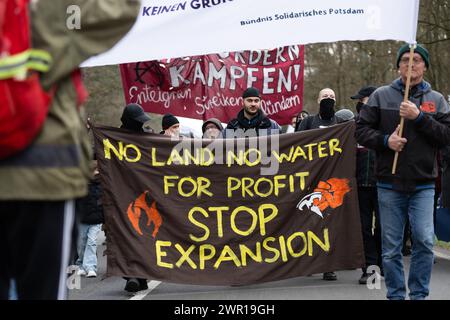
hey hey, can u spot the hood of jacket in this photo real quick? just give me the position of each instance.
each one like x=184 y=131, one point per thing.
x=416 y=91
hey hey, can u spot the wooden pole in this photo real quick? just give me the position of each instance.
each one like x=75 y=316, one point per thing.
x=405 y=98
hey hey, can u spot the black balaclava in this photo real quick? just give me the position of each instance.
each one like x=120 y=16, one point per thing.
x=326 y=111
x=132 y=125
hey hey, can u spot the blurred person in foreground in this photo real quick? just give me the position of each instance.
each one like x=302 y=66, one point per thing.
x=39 y=185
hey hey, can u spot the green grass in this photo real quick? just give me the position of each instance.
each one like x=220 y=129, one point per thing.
x=443 y=244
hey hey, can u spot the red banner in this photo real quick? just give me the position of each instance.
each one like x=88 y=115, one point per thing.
x=203 y=87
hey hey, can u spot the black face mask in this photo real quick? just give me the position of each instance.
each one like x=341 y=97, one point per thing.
x=359 y=106
x=326 y=111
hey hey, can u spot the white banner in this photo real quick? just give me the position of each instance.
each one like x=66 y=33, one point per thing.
x=177 y=28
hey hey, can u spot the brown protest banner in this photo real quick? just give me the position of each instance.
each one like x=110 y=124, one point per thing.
x=230 y=211
x=211 y=86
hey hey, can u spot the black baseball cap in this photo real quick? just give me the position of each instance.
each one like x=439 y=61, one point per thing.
x=364 y=92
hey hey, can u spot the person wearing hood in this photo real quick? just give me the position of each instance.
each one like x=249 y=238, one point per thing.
x=409 y=192
x=325 y=117
x=212 y=128
x=133 y=118
x=251 y=119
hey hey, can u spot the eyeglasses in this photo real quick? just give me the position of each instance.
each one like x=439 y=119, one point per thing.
x=416 y=61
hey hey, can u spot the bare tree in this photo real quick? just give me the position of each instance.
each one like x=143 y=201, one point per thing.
x=342 y=66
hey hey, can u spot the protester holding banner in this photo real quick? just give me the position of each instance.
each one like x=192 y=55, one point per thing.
x=133 y=119
x=410 y=190
x=212 y=128
x=325 y=117
x=179 y=215
x=251 y=120
x=40 y=184
x=367 y=196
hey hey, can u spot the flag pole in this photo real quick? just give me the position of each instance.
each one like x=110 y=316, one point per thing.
x=412 y=47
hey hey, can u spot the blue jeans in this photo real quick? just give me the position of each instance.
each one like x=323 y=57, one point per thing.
x=394 y=206
x=87 y=246
x=12 y=290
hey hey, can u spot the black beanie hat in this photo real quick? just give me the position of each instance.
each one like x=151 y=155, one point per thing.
x=168 y=120
x=419 y=49
x=250 y=92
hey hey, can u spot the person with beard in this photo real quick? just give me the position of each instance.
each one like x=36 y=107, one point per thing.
x=325 y=117
x=367 y=195
x=409 y=192
x=251 y=119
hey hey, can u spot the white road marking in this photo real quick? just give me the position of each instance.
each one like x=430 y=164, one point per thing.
x=441 y=254
x=141 y=294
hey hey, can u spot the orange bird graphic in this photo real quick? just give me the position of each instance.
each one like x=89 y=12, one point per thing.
x=135 y=211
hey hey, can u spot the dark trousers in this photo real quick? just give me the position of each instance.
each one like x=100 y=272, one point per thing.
x=35 y=239
x=368 y=207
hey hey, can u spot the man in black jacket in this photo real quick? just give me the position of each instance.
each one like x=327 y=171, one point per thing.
x=325 y=117
x=133 y=119
x=367 y=195
x=251 y=120
x=410 y=191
